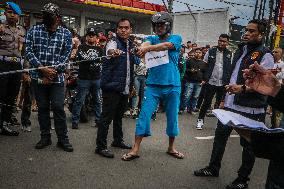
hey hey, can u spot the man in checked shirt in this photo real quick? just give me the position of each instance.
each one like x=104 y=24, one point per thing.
x=49 y=44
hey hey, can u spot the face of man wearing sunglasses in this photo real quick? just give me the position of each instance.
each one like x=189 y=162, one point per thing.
x=11 y=17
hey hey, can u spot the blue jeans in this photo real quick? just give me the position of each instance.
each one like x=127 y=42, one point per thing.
x=51 y=96
x=83 y=89
x=190 y=95
x=139 y=85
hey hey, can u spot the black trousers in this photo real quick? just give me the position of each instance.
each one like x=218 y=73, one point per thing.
x=275 y=175
x=211 y=90
x=51 y=96
x=222 y=134
x=9 y=89
x=27 y=104
x=114 y=106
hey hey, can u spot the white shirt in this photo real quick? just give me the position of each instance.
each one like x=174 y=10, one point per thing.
x=217 y=73
x=112 y=45
x=266 y=62
x=280 y=75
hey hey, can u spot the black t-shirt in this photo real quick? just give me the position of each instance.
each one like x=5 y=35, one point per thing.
x=195 y=70
x=90 y=69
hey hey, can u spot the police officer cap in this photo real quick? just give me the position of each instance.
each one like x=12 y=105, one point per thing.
x=51 y=8
x=91 y=31
x=15 y=7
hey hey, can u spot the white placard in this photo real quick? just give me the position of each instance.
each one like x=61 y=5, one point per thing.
x=154 y=59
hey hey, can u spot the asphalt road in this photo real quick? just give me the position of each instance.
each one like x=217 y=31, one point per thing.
x=22 y=166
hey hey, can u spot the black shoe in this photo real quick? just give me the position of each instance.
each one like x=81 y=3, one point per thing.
x=6 y=130
x=206 y=172
x=238 y=183
x=43 y=143
x=122 y=145
x=75 y=126
x=105 y=153
x=65 y=145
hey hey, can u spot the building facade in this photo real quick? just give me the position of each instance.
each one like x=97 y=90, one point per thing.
x=202 y=27
x=104 y=14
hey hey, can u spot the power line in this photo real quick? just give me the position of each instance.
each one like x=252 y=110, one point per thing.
x=202 y=8
x=231 y=3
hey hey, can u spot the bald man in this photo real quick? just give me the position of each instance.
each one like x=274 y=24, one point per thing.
x=277 y=54
x=279 y=65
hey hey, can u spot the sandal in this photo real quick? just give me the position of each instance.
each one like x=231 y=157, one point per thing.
x=129 y=157
x=177 y=155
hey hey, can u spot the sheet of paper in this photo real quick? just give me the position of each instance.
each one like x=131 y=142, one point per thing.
x=238 y=120
x=154 y=59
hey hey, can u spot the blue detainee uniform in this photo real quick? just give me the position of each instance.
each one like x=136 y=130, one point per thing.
x=163 y=84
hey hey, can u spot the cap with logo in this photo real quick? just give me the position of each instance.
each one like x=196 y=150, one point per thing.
x=51 y=8
x=91 y=31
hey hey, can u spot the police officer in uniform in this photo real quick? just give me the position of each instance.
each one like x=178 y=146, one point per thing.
x=11 y=43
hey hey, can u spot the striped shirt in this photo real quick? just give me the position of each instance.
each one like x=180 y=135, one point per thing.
x=47 y=49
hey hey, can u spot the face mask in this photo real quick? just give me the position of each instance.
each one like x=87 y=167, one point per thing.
x=49 y=20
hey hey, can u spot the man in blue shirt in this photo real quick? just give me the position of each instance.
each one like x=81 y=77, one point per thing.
x=49 y=44
x=163 y=83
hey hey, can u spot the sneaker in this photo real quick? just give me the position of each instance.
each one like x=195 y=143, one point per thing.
x=200 y=124
x=127 y=113
x=206 y=172
x=52 y=127
x=27 y=128
x=154 y=116
x=6 y=130
x=196 y=110
x=238 y=183
x=134 y=114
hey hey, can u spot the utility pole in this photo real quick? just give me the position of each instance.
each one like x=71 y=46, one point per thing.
x=255 y=9
x=268 y=38
x=170 y=6
x=279 y=26
x=263 y=9
x=260 y=9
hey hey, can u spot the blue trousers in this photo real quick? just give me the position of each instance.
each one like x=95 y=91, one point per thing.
x=170 y=96
x=190 y=95
x=83 y=88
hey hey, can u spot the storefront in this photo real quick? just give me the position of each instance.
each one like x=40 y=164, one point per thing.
x=80 y=14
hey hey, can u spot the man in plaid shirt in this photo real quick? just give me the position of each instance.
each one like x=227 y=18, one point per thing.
x=50 y=44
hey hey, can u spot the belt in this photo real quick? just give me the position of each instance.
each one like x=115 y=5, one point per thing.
x=12 y=59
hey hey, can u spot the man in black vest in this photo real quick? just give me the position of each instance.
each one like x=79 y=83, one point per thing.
x=242 y=100
x=116 y=83
x=216 y=76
